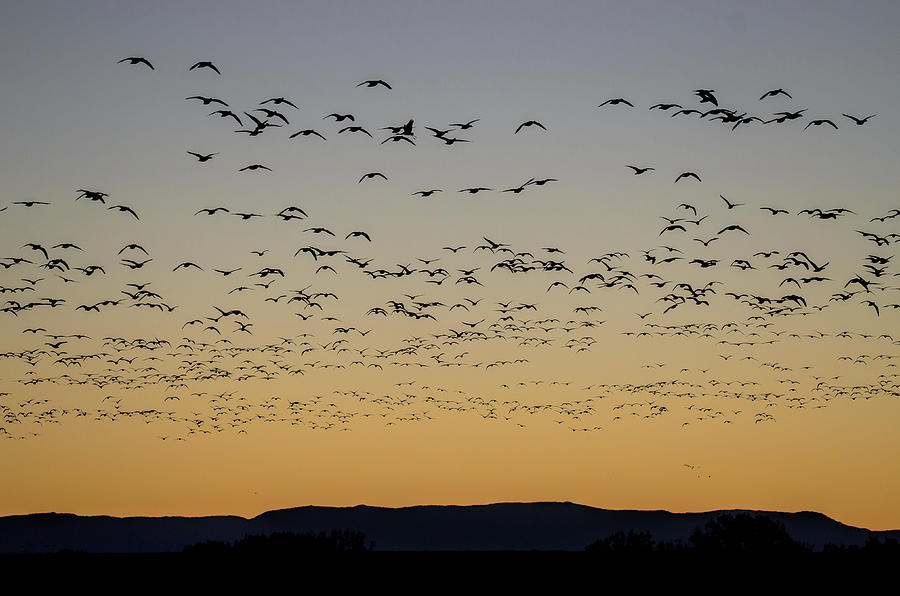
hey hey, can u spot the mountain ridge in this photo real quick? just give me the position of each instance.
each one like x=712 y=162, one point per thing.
x=509 y=526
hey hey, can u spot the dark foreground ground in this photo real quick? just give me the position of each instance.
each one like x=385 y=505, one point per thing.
x=436 y=572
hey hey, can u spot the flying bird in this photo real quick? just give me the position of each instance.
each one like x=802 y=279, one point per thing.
x=306 y=133
x=207 y=100
x=688 y=175
x=278 y=101
x=859 y=121
x=200 y=157
x=205 y=64
x=615 y=102
x=137 y=60
x=124 y=209
x=819 y=123
x=638 y=171
x=372 y=175
x=375 y=83
x=775 y=92
x=530 y=123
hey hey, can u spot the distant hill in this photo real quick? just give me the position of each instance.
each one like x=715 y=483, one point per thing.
x=495 y=527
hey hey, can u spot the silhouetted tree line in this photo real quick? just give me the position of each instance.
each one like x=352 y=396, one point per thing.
x=874 y=545
x=732 y=534
x=285 y=544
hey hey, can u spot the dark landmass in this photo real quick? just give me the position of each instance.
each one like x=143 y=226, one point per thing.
x=501 y=527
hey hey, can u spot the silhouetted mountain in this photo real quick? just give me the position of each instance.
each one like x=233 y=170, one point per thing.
x=496 y=527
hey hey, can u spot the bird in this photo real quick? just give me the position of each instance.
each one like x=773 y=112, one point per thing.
x=529 y=123
x=207 y=100
x=396 y=138
x=688 y=175
x=134 y=247
x=374 y=83
x=665 y=106
x=729 y=204
x=227 y=114
x=340 y=117
x=254 y=166
x=706 y=96
x=278 y=101
x=355 y=129
x=466 y=125
x=212 y=211
x=124 y=209
x=775 y=92
x=137 y=60
x=785 y=116
x=638 y=171
x=306 y=133
x=202 y=158
x=372 y=175
x=615 y=102
x=733 y=228
x=819 y=123
x=859 y=121
x=205 y=64
x=272 y=114
x=672 y=228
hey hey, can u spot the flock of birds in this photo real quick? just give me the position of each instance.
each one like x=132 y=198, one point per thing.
x=449 y=309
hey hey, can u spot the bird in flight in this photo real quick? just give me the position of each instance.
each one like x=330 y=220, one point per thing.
x=306 y=133
x=125 y=209
x=729 y=204
x=638 y=171
x=706 y=96
x=355 y=129
x=200 y=157
x=372 y=175
x=227 y=114
x=212 y=211
x=530 y=123
x=137 y=60
x=688 y=175
x=820 y=122
x=254 y=166
x=465 y=125
x=775 y=92
x=859 y=121
x=205 y=64
x=208 y=100
x=278 y=101
x=616 y=101
x=374 y=83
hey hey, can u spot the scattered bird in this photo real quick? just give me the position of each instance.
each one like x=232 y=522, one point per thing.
x=529 y=123
x=137 y=60
x=205 y=64
x=375 y=83
x=858 y=121
x=202 y=158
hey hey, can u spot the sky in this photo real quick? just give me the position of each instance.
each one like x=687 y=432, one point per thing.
x=558 y=355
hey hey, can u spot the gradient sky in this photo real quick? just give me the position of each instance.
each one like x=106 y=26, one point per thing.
x=698 y=414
